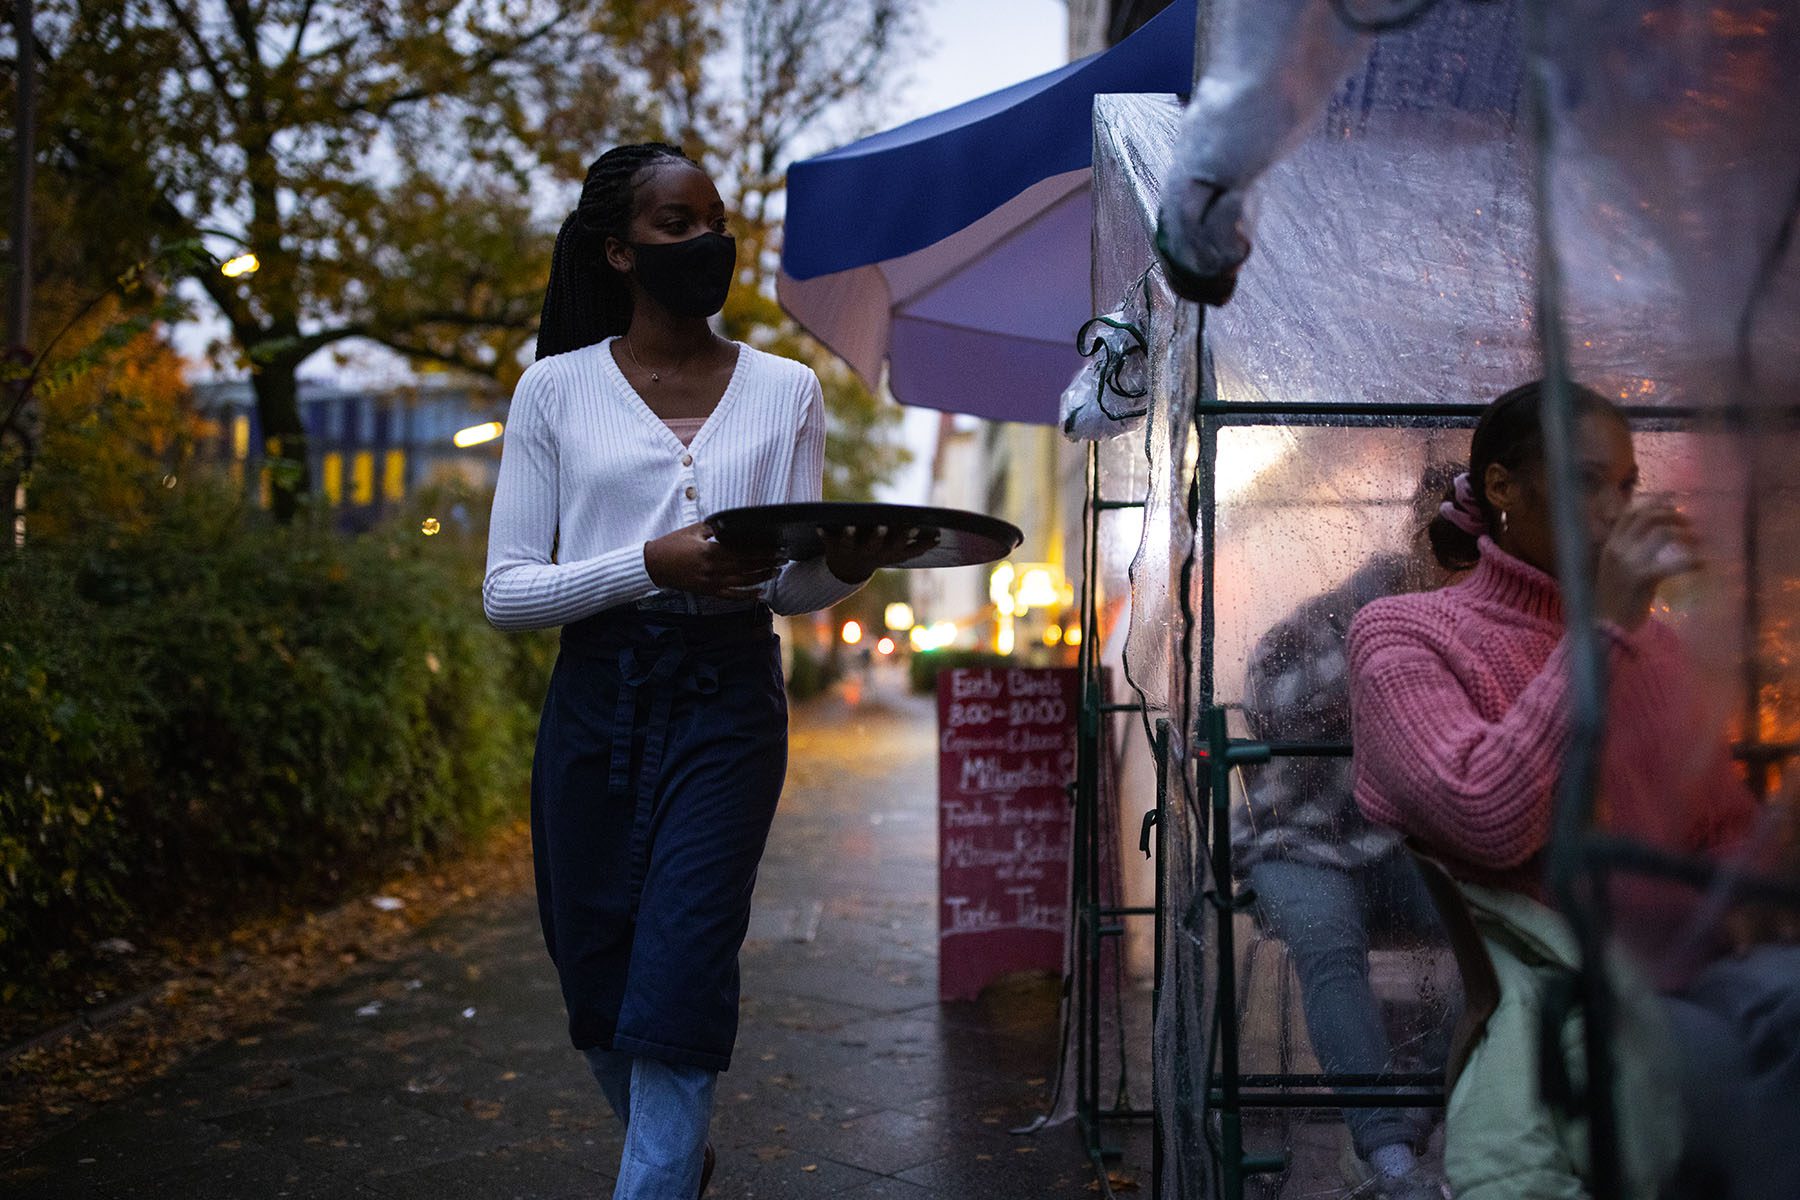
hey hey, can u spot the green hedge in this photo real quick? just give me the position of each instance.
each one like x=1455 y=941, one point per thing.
x=809 y=673
x=922 y=671
x=214 y=712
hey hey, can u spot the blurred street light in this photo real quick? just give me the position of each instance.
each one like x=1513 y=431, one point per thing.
x=243 y=264
x=898 y=616
x=1000 y=582
x=475 y=435
x=933 y=637
x=885 y=645
x=853 y=632
x=1037 y=589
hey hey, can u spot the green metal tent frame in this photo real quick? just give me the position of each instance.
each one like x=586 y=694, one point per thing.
x=1231 y=1091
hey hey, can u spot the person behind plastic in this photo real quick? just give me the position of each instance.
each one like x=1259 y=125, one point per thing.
x=1325 y=878
x=1460 y=719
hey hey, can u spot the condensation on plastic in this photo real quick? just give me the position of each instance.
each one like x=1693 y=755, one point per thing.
x=1391 y=263
x=1393 y=256
x=1675 y=168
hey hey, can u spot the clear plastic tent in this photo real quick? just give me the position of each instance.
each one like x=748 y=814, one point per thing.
x=1391 y=263
x=1133 y=136
x=1395 y=262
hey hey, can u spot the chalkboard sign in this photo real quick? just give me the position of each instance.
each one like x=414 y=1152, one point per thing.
x=1006 y=755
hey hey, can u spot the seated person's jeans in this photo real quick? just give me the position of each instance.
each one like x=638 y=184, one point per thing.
x=1737 y=1027
x=1325 y=915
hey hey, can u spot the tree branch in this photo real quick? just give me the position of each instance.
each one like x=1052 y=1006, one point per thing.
x=308 y=344
x=243 y=19
x=244 y=326
x=305 y=19
x=429 y=354
x=478 y=65
x=463 y=320
x=185 y=22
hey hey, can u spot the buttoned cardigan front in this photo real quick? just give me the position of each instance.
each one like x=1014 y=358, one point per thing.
x=589 y=474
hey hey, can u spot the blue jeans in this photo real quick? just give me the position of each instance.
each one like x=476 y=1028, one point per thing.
x=1737 y=1028
x=1324 y=914
x=665 y=1108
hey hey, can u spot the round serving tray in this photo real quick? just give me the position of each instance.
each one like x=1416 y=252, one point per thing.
x=963 y=538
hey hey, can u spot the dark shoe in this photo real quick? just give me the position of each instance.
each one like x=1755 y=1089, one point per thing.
x=706 y=1169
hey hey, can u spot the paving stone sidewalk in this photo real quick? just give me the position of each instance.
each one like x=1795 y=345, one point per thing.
x=447 y=1074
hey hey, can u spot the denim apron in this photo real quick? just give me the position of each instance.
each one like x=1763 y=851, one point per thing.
x=660 y=758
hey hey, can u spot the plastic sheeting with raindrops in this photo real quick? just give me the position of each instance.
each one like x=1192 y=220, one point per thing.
x=1395 y=261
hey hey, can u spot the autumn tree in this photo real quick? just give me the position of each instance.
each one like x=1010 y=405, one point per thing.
x=387 y=163
x=96 y=413
x=376 y=157
x=807 y=73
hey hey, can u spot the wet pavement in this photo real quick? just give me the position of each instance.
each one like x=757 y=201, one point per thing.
x=447 y=1074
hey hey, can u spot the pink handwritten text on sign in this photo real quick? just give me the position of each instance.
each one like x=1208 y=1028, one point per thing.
x=1006 y=755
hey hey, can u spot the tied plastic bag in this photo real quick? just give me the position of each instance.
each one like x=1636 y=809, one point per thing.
x=1107 y=396
x=1272 y=66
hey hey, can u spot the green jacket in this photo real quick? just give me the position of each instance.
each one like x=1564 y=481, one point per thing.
x=1502 y=1142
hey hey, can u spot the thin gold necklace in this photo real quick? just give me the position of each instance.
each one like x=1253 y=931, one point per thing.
x=655 y=376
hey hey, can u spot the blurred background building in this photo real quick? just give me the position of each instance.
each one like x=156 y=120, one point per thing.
x=369 y=448
x=1027 y=474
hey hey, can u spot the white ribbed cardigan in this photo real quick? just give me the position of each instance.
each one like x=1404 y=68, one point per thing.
x=588 y=475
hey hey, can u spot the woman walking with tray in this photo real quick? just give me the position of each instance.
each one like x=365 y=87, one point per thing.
x=663 y=741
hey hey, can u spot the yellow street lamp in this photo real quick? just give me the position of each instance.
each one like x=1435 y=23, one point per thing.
x=475 y=435
x=243 y=264
x=898 y=616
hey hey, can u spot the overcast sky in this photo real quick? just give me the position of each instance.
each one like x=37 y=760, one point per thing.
x=975 y=48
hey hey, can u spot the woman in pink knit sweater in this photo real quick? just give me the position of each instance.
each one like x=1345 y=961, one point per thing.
x=1460 y=706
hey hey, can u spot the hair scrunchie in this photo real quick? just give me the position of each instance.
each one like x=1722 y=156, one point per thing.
x=1464 y=511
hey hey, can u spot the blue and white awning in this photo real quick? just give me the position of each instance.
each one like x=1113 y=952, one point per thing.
x=956 y=247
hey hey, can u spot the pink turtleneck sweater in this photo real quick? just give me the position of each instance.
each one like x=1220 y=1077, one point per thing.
x=1459 y=715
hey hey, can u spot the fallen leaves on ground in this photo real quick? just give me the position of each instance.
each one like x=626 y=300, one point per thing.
x=1115 y=1181
x=219 y=989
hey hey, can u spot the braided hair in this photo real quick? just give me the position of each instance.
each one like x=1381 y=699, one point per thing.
x=587 y=301
x=1511 y=433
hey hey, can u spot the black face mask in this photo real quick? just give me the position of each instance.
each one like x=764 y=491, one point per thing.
x=689 y=278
